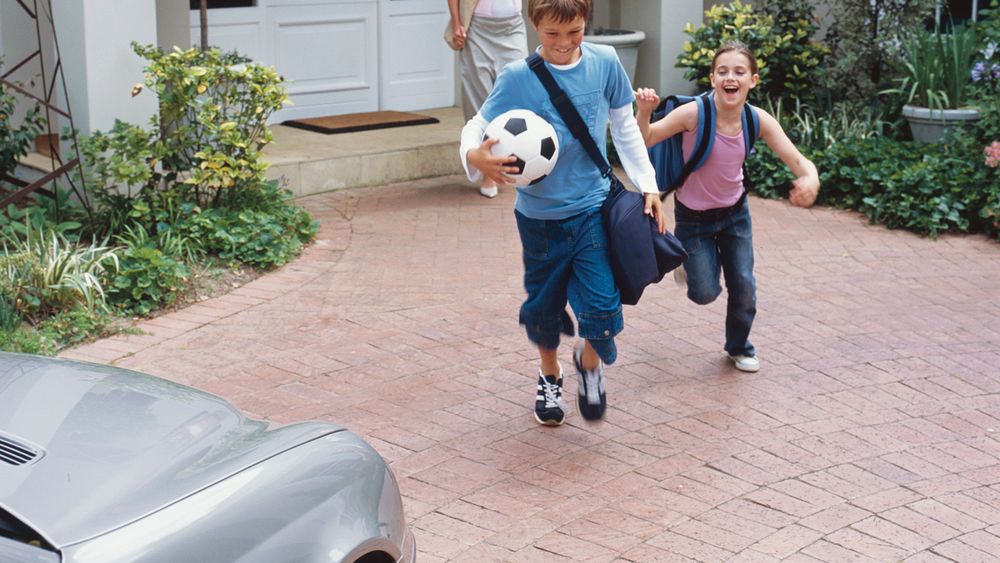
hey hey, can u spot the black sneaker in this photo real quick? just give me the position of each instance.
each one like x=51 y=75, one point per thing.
x=591 y=398
x=548 y=400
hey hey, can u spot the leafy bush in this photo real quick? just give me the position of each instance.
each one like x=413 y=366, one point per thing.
x=147 y=278
x=213 y=117
x=865 y=40
x=202 y=147
x=780 y=36
x=928 y=189
x=264 y=230
x=62 y=330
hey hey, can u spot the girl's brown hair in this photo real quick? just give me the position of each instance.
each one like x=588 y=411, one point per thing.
x=561 y=11
x=739 y=48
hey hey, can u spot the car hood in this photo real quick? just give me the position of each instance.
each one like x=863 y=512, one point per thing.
x=114 y=445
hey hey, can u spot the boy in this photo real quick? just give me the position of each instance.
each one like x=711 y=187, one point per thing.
x=564 y=244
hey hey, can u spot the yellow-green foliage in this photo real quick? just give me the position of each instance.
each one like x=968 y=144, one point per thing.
x=788 y=58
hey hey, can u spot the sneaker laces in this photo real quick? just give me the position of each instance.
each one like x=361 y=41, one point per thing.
x=595 y=384
x=551 y=392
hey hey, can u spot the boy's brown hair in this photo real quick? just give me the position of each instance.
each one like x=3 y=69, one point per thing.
x=740 y=48
x=561 y=11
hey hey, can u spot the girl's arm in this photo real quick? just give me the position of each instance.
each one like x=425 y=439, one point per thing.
x=806 y=184
x=684 y=118
x=635 y=160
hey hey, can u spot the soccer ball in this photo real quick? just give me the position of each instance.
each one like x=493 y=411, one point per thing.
x=530 y=138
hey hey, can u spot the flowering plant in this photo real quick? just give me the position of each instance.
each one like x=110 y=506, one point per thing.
x=985 y=70
x=992 y=151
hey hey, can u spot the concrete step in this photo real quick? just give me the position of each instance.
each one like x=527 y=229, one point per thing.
x=311 y=163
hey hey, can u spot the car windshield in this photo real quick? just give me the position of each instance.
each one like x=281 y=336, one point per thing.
x=18 y=531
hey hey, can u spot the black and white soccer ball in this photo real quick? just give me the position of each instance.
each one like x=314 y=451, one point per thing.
x=530 y=138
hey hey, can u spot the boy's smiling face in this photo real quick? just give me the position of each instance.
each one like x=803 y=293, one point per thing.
x=560 y=40
x=732 y=78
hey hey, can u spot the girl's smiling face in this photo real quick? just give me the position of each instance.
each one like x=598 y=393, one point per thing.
x=560 y=40
x=732 y=77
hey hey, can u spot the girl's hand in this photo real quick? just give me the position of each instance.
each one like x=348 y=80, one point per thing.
x=654 y=208
x=493 y=167
x=646 y=100
x=804 y=191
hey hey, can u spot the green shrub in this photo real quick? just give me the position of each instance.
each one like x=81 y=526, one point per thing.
x=203 y=146
x=213 y=118
x=62 y=330
x=865 y=40
x=265 y=230
x=147 y=278
x=928 y=189
x=789 y=59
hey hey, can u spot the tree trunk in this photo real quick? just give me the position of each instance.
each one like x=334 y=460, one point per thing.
x=203 y=24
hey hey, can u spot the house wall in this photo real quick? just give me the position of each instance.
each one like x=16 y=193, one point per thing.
x=99 y=65
x=172 y=25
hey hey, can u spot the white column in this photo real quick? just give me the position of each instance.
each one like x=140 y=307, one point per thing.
x=663 y=22
x=94 y=40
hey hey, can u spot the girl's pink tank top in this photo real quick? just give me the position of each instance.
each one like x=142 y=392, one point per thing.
x=719 y=182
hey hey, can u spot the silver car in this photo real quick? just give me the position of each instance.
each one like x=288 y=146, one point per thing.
x=102 y=464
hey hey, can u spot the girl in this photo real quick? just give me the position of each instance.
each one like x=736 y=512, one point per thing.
x=712 y=213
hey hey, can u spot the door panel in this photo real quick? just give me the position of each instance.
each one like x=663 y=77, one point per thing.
x=328 y=53
x=417 y=67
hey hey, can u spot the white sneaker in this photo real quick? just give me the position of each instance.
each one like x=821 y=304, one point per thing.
x=746 y=363
x=680 y=276
x=490 y=192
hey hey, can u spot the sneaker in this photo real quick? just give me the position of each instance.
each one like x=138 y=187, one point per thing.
x=745 y=363
x=490 y=192
x=549 y=408
x=591 y=398
x=680 y=276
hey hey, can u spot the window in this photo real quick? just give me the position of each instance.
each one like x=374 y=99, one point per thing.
x=213 y=4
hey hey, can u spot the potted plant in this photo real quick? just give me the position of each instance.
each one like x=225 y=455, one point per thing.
x=625 y=41
x=937 y=75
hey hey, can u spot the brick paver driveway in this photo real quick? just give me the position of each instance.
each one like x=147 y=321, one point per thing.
x=869 y=434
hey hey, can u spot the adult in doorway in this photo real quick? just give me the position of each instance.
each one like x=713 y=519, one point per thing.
x=488 y=34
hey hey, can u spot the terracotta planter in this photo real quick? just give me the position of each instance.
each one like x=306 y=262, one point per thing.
x=931 y=125
x=625 y=41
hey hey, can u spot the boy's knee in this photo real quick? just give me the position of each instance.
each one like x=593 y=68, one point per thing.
x=703 y=297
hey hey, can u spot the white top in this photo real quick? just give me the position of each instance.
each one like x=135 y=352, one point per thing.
x=497 y=8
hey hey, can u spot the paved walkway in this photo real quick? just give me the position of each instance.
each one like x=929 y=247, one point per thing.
x=871 y=432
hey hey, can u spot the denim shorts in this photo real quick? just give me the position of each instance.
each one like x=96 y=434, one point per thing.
x=567 y=260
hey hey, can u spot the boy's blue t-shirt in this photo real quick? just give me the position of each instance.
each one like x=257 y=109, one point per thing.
x=595 y=85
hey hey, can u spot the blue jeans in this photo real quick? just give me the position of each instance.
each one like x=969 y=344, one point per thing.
x=721 y=239
x=568 y=260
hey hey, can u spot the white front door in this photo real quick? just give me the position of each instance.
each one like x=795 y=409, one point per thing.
x=344 y=56
x=328 y=53
x=417 y=66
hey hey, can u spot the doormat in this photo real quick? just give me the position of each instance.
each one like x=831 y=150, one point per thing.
x=367 y=121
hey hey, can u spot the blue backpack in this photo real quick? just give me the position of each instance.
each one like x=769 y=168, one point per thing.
x=668 y=156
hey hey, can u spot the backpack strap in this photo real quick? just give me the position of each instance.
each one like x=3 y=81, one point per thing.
x=751 y=128
x=704 y=138
x=567 y=111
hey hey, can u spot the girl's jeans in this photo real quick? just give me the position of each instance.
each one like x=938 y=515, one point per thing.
x=568 y=259
x=721 y=239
